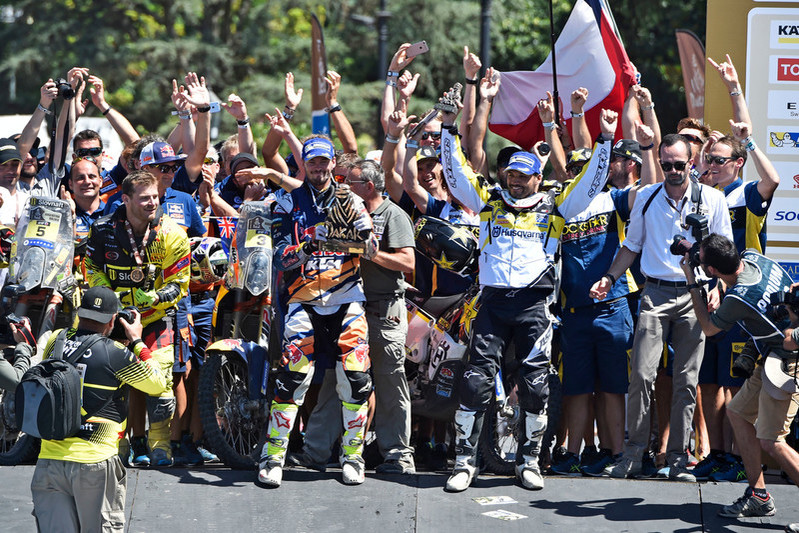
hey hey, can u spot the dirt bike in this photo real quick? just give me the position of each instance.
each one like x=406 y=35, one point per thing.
x=40 y=286
x=233 y=381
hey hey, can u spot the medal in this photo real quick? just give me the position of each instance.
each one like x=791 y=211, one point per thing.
x=137 y=275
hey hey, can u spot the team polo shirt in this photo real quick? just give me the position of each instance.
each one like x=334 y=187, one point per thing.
x=84 y=220
x=748 y=212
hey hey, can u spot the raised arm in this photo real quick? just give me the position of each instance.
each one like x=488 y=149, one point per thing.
x=580 y=133
x=399 y=62
x=282 y=128
x=546 y=112
x=31 y=131
x=729 y=76
x=489 y=87
x=127 y=133
x=397 y=122
x=197 y=95
x=238 y=109
x=344 y=131
x=471 y=70
x=464 y=184
x=769 y=179
x=183 y=134
x=273 y=139
x=644 y=99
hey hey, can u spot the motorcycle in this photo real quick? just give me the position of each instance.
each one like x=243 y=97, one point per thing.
x=233 y=401
x=40 y=286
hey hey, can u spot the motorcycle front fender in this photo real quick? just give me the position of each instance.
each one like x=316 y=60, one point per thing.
x=253 y=356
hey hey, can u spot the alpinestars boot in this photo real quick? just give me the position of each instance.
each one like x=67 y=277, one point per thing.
x=467 y=432
x=353 y=468
x=528 y=471
x=273 y=454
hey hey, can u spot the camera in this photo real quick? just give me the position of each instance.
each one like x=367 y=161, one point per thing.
x=780 y=302
x=745 y=363
x=127 y=314
x=64 y=88
x=699 y=230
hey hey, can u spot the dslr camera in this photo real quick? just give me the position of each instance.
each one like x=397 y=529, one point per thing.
x=699 y=230
x=745 y=363
x=780 y=303
x=64 y=88
x=127 y=314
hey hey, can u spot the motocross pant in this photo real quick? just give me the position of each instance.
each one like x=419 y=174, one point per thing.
x=312 y=330
x=159 y=337
x=521 y=316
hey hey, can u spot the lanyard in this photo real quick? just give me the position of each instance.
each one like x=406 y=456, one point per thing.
x=137 y=273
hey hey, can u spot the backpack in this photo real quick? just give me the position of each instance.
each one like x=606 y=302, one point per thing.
x=48 y=397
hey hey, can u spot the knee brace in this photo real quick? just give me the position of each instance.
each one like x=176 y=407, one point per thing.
x=292 y=386
x=352 y=386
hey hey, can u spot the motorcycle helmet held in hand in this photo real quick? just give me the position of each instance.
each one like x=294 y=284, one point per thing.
x=209 y=261
x=449 y=246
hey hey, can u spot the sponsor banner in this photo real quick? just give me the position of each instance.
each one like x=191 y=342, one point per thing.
x=783 y=140
x=783 y=69
x=792 y=269
x=788 y=171
x=783 y=105
x=785 y=33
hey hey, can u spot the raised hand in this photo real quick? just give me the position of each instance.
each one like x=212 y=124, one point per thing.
x=235 y=106
x=293 y=98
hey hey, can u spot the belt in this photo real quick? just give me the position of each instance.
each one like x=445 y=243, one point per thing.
x=664 y=283
x=604 y=304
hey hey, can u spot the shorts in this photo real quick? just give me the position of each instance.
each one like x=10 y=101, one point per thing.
x=771 y=417
x=716 y=366
x=596 y=345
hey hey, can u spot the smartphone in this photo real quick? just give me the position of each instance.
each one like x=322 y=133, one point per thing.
x=215 y=108
x=417 y=49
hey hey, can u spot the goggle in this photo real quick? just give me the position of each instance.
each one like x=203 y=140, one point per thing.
x=719 y=160
x=83 y=152
x=679 y=166
x=435 y=135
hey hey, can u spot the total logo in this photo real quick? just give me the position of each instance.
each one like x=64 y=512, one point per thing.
x=788 y=69
x=784 y=34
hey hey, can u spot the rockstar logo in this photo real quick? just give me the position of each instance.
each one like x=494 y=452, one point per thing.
x=443 y=263
x=357 y=423
x=282 y=420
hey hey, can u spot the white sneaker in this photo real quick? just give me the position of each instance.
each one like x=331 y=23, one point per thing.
x=462 y=476
x=530 y=476
x=353 y=472
x=271 y=475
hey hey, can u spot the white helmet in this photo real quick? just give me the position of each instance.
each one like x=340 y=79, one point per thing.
x=209 y=261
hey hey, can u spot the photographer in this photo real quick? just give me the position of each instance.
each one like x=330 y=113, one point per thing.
x=79 y=482
x=761 y=411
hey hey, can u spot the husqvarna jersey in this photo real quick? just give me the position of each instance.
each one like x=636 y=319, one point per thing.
x=748 y=212
x=110 y=261
x=321 y=278
x=516 y=245
x=589 y=242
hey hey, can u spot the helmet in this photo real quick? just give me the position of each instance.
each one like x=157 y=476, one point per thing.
x=208 y=259
x=451 y=247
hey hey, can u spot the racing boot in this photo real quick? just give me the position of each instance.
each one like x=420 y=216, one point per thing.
x=273 y=454
x=160 y=410
x=528 y=471
x=467 y=432
x=353 y=467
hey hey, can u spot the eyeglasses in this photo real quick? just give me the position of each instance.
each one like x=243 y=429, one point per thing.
x=679 y=166
x=356 y=181
x=209 y=161
x=84 y=158
x=435 y=135
x=83 y=152
x=719 y=160
x=167 y=169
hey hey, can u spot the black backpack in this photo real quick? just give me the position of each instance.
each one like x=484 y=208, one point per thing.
x=48 y=397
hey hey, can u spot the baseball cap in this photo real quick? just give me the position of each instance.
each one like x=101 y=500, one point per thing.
x=628 y=149
x=524 y=162
x=318 y=147
x=99 y=304
x=426 y=152
x=578 y=156
x=241 y=158
x=9 y=151
x=159 y=152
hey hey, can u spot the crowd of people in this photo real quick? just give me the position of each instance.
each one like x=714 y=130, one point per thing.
x=575 y=271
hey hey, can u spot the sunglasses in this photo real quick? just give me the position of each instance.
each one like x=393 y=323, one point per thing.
x=83 y=152
x=84 y=158
x=167 y=169
x=340 y=178
x=693 y=138
x=435 y=135
x=209 y=161
x=719 y=160
x=679 y=166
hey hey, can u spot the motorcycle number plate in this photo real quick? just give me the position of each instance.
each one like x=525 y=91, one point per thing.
x=45 y=229
x=257 y=233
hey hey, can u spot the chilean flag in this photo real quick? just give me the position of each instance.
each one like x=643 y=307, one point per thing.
x=590 y=55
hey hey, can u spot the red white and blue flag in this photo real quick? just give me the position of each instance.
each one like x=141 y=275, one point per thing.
x=227 y=227
x=589 y=54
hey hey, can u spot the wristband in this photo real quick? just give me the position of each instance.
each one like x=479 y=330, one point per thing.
x=204 y=109
x=108 y=110
x=184 y=115
x=648 y=107
x=392 y=74
x=611 y=277
x=134 y=342
x=549 y=125
x=749 y=144
x=411 y=144
x=577 y=115
x=334 y=108
x=391 y=139
x=391 y=82
x=471 y=81
x=244 y=122
x=692 y=286
x=648 y=147
x=736 y=92
x=40 y=107
x=288 y=115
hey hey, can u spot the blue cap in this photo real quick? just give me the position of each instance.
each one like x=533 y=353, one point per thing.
x=524 y=162
x=159 y=152
x=318 y=147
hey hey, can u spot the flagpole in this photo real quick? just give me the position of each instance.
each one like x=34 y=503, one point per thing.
x=554 y=65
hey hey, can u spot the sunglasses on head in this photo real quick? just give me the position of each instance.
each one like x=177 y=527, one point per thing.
x=435 y=135
x=83 y=152
x=693 y=138
x=719 y=160
x=166 y=169
x=679 y=166
x=84 y=158
x=209 y=161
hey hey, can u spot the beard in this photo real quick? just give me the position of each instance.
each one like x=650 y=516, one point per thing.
x=676 y=179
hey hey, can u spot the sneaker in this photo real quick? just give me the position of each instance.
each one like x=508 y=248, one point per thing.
x=462 y=476
x=438 y=459
x=423 y=452
x=733 y=471
x=792 y=528
x=353 y=471
x=749 y=505
x=530 y=475
x=597 y=469
x=270 y=474
x=207 y=455
x=624 y=467
x=709 y=465
x=681 y=473
x=559 y=454
x=651 y=468
x=304 y=460
x=395 y=466
x=190 y=451
x=139 y=453
x=160 y=458
x=178 y=454
x=568 y=466
x=589 y=455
